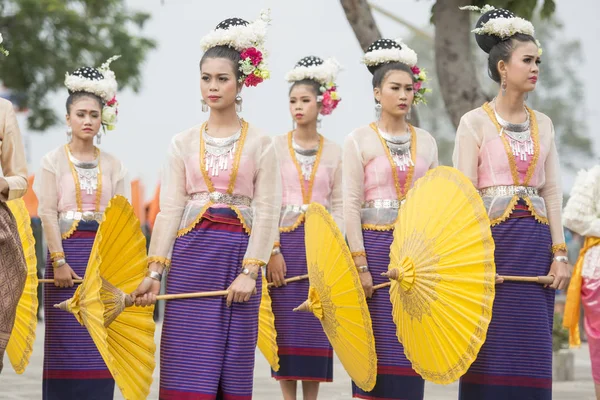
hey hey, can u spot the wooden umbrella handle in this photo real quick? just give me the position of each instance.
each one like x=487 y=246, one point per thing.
x=52 y=280
x=292 y=279
x=543 y=280
x=382 y=285
x=214 y=293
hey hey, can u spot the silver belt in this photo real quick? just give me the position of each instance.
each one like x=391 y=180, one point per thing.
x=383 y=203
x=521 y=191
x=223 y=198
x=82 y=216
x=295 y=208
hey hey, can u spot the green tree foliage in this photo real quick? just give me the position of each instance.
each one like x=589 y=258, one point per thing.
x=47 y=38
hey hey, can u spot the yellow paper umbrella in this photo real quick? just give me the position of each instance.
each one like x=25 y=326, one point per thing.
x=124 y=337
x=267 y=335
x=443 y=260
x=336 y=297
x=22 y=337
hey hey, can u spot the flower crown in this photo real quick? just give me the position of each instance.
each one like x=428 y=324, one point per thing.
x=502 y=23
x=248 y=39
x=384 y=51
x=324 y=73
x=102 y=83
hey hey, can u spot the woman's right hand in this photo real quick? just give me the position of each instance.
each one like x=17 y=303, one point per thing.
x=276 y=270
x=64 y=275
x=146 y=292
x=366 y=279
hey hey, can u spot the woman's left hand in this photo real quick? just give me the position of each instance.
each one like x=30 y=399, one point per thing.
x=561 y=272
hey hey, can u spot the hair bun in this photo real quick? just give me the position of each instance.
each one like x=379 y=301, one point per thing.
x=90 y=73
x=310 y=61
x=381 y=44
x=486 y=41
x=229 y=22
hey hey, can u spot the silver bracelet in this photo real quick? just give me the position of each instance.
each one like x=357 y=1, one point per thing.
x=251 y=274
x=561 y=259
x=154 y=275
x=58 y=263
x=363 y=268
x=275 y=251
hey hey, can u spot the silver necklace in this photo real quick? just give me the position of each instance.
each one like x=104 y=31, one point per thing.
x=306 y=158
x=218 y=151
x=518 y=136
x=399 y=146
x=87 y=171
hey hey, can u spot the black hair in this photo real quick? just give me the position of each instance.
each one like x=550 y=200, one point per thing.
x=228 y=53
x=75 y=96
x=382 y=70
x=312 y=84
x=502 y=51
x=498 y=48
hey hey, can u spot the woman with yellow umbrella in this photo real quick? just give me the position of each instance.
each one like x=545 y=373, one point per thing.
x=13 y=185
x=75 y=185
x=381 y=163
x=311 y=171
x=509 y=153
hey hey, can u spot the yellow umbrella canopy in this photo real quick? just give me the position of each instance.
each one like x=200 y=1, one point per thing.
x=336 y=297
x=124 y=337
x=22 y=337
x=443 y=260
x=267 y=335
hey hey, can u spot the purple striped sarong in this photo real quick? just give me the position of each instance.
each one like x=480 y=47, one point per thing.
x=515 y=362
x=304 y=350
x=73 y=367
x=207 y=350
x=395 y=377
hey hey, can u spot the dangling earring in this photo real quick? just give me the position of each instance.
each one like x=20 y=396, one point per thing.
x=293 y=125
x=98 y=138
x=318 y=124
x=238 y=103
x=378 y=111
x=409 y=113
x=204 y=106
x=504 y=86
x=69 y=134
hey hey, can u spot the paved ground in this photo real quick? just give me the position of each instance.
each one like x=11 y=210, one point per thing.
x=29 y=385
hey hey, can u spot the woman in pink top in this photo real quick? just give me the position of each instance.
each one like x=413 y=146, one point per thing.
x=311 y=171
x=381 y=163
x=220 y=202
x=74 y=187
x=507 y=150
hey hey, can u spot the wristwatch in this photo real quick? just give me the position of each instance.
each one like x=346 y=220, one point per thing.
x=251 y=274
x=154 y=275
x=561 y=259
x=363 y=268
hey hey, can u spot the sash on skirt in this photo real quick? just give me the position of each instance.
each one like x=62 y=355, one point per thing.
x=207 y=349
x=304 y=350
x=13 y=273
x=73 y=367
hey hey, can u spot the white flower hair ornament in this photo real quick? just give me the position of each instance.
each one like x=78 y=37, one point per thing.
x=2 y=49
x=249 y=40
x=497 y=24
x=384 y=51
x=322 y=72
x=101 y=82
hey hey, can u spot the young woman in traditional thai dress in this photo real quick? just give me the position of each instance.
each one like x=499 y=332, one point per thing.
x=76 y=183
x=220 y=203
x=381 y=163
x=508 y=151
x=311 y=171
x=13 y=185
x=582 y=216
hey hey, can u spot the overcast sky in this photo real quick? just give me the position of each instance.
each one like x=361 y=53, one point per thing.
x=169 y=100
